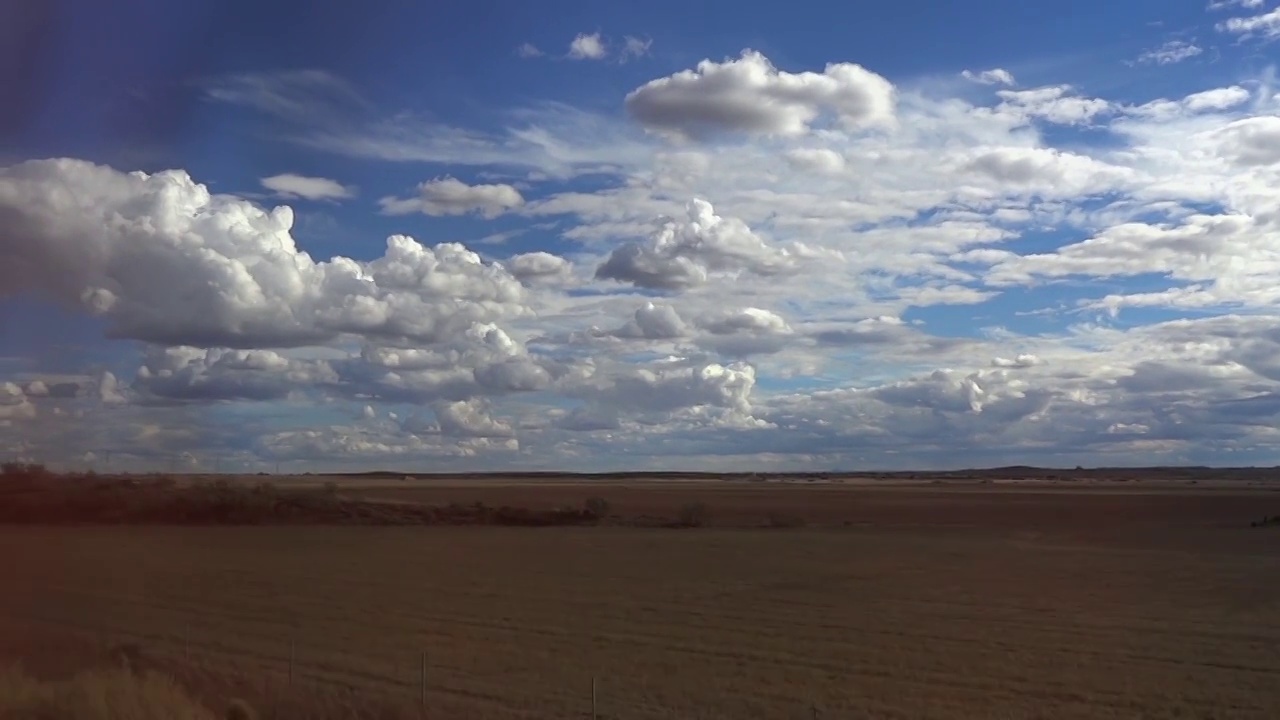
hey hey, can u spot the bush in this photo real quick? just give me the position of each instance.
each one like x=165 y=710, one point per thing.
x=331 y=488
x=597 y=506
x=1266 y=522
x=694 y=515
x=25 y=470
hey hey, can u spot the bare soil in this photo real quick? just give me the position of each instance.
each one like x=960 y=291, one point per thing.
x=905 y=602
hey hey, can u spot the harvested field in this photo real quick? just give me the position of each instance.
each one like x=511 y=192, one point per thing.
x=1186 y=515
x=929 y=603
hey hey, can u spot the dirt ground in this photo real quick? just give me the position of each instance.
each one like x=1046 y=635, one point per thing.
x=904 y=602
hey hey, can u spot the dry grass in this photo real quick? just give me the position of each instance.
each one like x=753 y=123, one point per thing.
x=181 y=691
x=105 y=694
x=953 y=605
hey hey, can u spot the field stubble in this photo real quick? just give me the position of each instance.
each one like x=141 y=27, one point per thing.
x=931 y=604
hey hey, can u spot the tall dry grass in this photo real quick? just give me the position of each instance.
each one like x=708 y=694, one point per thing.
x=122 y=692
x=99 y=694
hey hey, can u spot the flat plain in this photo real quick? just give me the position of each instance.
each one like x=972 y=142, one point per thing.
x=925 y=601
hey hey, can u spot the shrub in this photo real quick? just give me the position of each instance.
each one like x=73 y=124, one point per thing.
x=1266 y=522
x=694 y=515
x=25 y=470
x=331 y=488
x=597 y=506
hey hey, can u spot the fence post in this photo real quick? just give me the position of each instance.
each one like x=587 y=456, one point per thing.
x=293 y=650
x=422 y=694
x=593 y=697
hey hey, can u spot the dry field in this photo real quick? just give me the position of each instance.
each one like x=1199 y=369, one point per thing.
x=921 y=602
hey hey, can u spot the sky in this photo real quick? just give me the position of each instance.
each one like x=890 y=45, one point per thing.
x=585 y=236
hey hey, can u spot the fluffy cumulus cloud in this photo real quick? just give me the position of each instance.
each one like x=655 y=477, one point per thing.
x=587 y=46
x=749 y=95
x=686 y=252
x=741 y=265
x=163 y=260
x=539 y=267
x=450 y=196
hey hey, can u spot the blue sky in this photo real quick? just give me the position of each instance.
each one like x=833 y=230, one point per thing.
x=720 y=236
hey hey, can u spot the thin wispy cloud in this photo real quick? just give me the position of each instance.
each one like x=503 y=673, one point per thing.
x=1173 y=51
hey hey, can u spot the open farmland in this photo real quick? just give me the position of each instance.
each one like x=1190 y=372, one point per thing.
x=912 y=602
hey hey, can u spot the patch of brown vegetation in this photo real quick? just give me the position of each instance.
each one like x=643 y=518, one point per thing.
x=112 y=691
x=32 y=496
x=104 y=694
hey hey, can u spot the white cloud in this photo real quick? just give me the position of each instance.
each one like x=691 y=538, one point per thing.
x=817 y=160
x=1252 y=141
x=1170 y=53
x=528 y=50
x=633 y=47
x=14 y=404
x=1054 y=104
x=179 y=265
x=750 y=95
x=654 y=322
x=994 y=76
x=450 y=196
x=789 y=246
x=298 y=95
x=1226 y=4
x=290 y=186
x=539 y=267
x=470 y=418
x=1025 y=360
x=1045 y=170
x=587 y=47
x=685 y=253
x=550 y=139
x=1266 y=25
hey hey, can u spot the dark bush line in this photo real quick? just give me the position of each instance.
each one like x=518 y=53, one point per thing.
x=31 y=495
x=1271 y=521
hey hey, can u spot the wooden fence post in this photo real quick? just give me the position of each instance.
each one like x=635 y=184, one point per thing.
x=593 y=698
x=422 y=695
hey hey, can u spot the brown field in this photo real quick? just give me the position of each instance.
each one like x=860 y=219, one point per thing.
x=905 y=602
